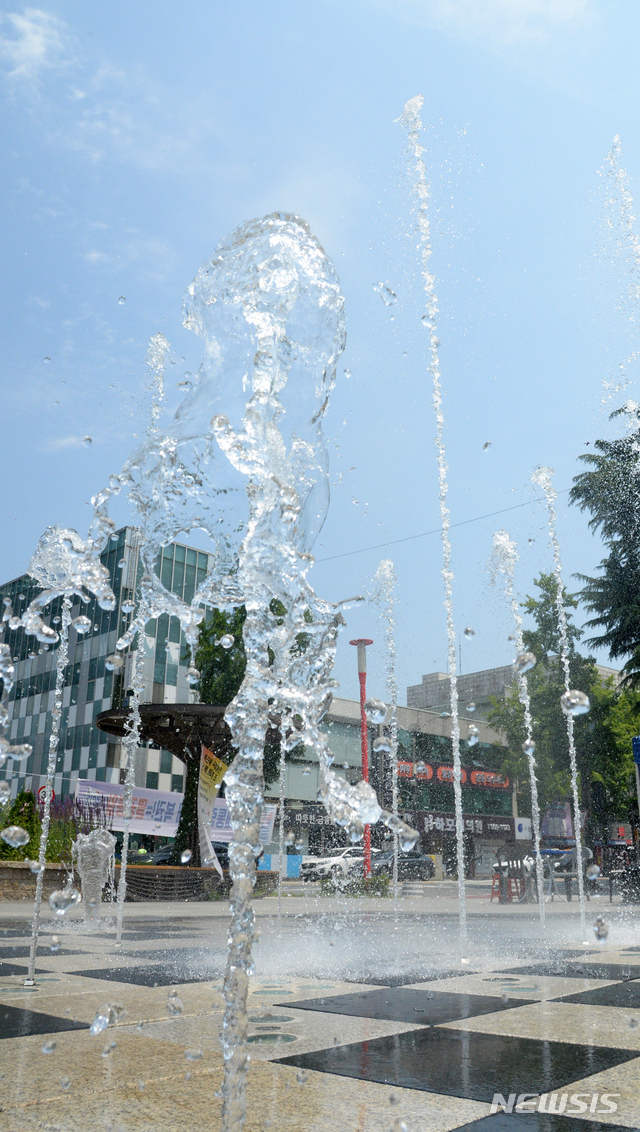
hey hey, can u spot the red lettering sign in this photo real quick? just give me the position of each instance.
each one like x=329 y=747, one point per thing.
x=424 y=771
x=445 y=774
x=489 y=778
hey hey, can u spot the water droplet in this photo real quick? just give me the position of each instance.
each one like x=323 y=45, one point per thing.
x=65 y=1084
x=421 y=768
x=109 y=1048
x=49 y=1046
x=399 y=1126
x=633 y=1023
x=127 y=607
x=121 y=564
x=382 y=745
x=525 y=662
x=55 y=944
x=185 y=385
x=529 y=747
x=15 y=836
x=62 y=899
x=193 y=1054
x=601 y=928
x=472 y=735
x=46 y=360
x=469 y=632
x=302 y=1077
x=227 y=641
x=192 y=675
x=306 y=770
x=376 y=711
x=427 y=322
x=5 y=793
x=487 y=444
x=386 y=294
x=592 y=872
x=471 y=706
x=445 y=714
x=298 y=846
x=87 y=441
x=34 y=866
x=114 y=662
x=186 y=856
x=289 y=838
x=122 y=300
x=81 y=624
x=347 y=373
x=575 y=702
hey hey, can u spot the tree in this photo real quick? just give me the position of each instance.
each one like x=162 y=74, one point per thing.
x=222 y=671
x=603 y=748
x=23 y=812
x=610 y=491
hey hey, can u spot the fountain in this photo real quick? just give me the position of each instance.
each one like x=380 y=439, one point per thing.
x=412 y=123
x=244 y=460
x=572 y=703
x=93 y=854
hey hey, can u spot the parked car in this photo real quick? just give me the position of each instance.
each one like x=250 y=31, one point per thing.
x=413 y=865
x=339 y=864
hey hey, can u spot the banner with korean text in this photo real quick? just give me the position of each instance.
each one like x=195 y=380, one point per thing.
x=211 y=774
x=157 y=813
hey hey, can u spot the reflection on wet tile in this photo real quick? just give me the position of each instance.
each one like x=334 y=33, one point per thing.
x=463 y=1064
x=614 y=971
x=152 y=976
x=537 y=1122
x=626 y=995
x=424 y=1007
x=16 y=1022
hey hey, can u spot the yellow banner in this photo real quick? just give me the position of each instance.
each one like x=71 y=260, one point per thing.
x=212 y=770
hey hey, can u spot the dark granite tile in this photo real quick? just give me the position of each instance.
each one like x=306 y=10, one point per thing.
x=16 y=1022
x=590 y=970
x=201 y=957
x=463 y=1064
x=399 y=1004
x=23 y=951
x=16 y=969
x=538 y=1122
x=159 y=976
x=625 y=995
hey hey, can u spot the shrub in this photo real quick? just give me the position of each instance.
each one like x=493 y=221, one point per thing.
x=371 y=886
x=23 y=812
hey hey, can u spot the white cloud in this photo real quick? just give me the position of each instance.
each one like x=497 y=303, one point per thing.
x=502 y=22
x=36 y=40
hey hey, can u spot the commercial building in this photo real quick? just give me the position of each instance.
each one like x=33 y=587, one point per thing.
x=424 y=736
x=90 y=688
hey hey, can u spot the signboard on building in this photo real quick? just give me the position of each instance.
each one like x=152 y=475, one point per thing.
x=443 y=773
x=490 y=828
x=158 y=813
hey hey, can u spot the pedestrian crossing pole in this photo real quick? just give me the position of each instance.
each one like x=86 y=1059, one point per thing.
x=362 y=643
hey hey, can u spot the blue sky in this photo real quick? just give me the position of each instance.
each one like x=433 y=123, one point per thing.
x=135 y=137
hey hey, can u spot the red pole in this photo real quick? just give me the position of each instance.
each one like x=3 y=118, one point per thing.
x=362 y=643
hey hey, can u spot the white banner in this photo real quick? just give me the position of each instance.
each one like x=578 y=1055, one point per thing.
x=158 y=813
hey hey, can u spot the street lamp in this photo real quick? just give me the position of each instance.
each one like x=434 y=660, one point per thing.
x=361 y=644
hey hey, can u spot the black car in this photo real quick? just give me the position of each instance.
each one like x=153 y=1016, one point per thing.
x=413 y=865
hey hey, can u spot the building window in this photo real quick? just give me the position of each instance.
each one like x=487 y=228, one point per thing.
x=177 y=783
x=152 y=780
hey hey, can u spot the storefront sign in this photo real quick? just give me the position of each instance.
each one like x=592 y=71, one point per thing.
x=425 y=772
x=491 y=828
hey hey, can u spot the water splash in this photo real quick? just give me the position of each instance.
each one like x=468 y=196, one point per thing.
x=383 y=593
x=131 y=743
x=54 y=566
x=244 y=460
x=412 y=123
x=543 y=478
x=621 y=246
x=93 y=854
x=503 y=561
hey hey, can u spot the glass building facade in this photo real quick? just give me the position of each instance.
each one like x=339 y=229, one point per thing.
x=90 y=688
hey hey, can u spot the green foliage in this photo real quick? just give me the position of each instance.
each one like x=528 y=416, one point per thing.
x=23 y=812
x=610 y=491
x=221 y=670
x=602 y=737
